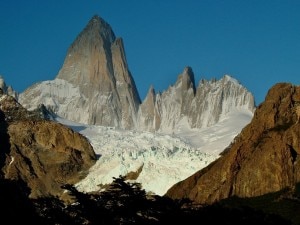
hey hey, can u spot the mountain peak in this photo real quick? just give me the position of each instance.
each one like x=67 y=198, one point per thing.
x=228 y=78
x=151 y=90
x=188 y=70
x=95 y=73
x=84 y=60
x=100 y=25
x=97 y=32
x=96 y=19
x=187 y=79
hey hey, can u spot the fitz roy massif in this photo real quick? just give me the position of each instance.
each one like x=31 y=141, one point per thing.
x=83 y=148
x=164 y=138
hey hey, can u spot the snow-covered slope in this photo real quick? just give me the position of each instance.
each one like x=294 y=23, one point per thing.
x=161 y=159
x=60 y=97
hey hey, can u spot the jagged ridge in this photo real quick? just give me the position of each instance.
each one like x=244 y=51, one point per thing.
x=94 y=86
x=198 y=107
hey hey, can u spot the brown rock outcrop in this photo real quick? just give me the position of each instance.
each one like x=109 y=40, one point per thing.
x=263 y=158
x=43 y=154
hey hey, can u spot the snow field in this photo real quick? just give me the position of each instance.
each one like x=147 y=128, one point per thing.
x=165 y=158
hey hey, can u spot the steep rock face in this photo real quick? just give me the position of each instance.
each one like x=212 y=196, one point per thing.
x=94 y=86
x=198 y=107
x=216 y=98
x=175 y=102
x=264 y=157
x=149 y=117
x=43 y=154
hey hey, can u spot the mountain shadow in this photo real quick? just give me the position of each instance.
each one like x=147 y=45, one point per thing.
x=126 y=203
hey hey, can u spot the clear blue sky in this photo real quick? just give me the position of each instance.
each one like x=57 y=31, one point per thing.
x=255 y=41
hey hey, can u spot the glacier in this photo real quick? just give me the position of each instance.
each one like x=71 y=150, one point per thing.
x=160 y=159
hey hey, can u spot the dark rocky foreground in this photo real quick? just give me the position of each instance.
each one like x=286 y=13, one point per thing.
x=124 y=203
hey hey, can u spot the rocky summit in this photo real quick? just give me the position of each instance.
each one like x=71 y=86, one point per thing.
x=95 y=86
x=184 y=105
x=264 y=157
x=41 y=153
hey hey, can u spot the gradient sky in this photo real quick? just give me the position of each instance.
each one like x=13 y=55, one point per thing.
x=255 y=41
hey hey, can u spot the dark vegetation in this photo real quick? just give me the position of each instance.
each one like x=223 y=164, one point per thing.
x=285 y=203
x=128 y=203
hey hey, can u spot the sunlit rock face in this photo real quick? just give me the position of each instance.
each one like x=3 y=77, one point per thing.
x=263 y=158
x=41 y=153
